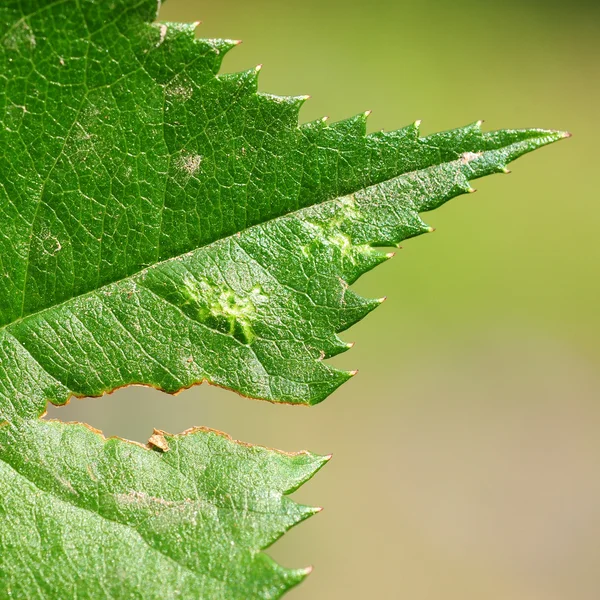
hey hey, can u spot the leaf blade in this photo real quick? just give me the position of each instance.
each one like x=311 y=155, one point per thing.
x=190 y=521
x=195 y=317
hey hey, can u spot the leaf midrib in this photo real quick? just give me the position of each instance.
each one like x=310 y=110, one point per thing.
x=7 y=326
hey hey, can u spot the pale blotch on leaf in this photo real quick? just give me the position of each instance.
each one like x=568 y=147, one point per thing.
x=162 y=28
x=468 y=157
x=19 y=35
x=49 y=243
x=221 y=308
x=180 y=92
x=189 y=164
x=329 y=232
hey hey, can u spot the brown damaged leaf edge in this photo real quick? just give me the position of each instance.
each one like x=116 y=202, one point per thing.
x=159 y=433
x=184 y=388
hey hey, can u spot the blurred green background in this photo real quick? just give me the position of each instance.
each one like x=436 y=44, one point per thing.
x=466 y=453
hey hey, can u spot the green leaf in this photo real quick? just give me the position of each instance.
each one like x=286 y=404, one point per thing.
x=166 y=225
x=86 y=517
